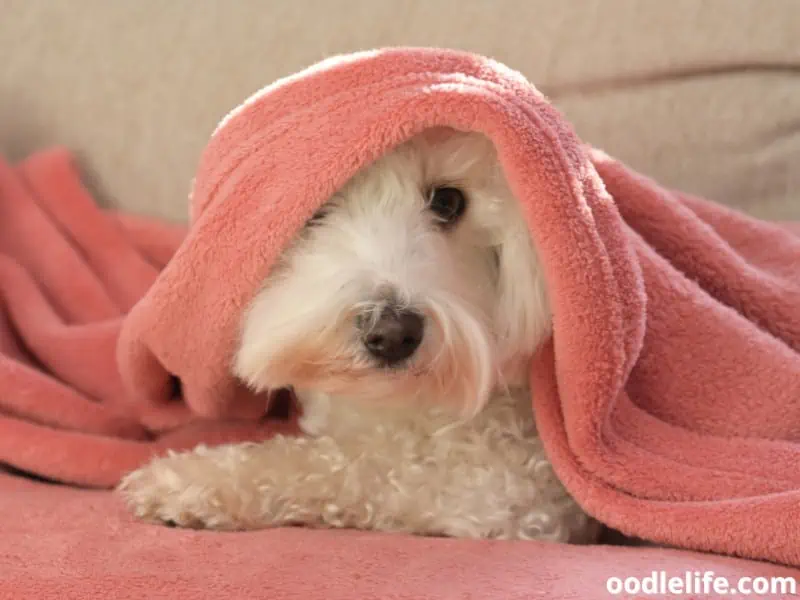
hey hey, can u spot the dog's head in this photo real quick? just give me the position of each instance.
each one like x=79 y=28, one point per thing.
x=418 y=280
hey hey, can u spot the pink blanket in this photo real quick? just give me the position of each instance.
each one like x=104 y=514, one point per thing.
x=61 y=543
x=668 y=397
x=69 y=274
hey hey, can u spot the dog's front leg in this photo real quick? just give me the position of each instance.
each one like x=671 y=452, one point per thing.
x=283 y=481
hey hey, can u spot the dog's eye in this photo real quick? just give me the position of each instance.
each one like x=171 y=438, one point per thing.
x=318 y=216
x=448 y=204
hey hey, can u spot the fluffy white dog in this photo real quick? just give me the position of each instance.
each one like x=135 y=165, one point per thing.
x=404 y=318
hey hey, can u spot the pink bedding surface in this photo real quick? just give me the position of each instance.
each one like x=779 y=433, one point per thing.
x=63 y=543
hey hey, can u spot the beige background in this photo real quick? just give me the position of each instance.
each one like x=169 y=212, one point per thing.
x=701 y=94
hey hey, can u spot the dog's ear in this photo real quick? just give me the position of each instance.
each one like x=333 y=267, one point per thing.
x=522 y=318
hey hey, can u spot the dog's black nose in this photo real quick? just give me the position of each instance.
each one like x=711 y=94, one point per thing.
x=395 y=336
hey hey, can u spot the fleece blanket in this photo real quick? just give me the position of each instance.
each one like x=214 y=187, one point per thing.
x=668 y=397
x=62 y=543
x=69 y=273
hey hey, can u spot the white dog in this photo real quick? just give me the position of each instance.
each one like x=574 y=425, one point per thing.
x=404 y=318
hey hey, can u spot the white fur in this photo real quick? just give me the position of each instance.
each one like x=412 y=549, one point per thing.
x=444 y=444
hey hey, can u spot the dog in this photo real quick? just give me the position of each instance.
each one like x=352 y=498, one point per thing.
x=403 y=317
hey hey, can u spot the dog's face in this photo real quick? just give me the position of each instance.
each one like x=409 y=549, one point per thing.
x=418 y=280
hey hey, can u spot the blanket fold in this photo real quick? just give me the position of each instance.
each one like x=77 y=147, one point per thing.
x=69 y=274
x=668 y=396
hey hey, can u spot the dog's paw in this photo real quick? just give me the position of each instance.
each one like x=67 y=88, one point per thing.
x=175 y=491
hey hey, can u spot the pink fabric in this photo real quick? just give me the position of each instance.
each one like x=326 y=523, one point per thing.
x=60 y=543
x=668 y=397
x=69 y=273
